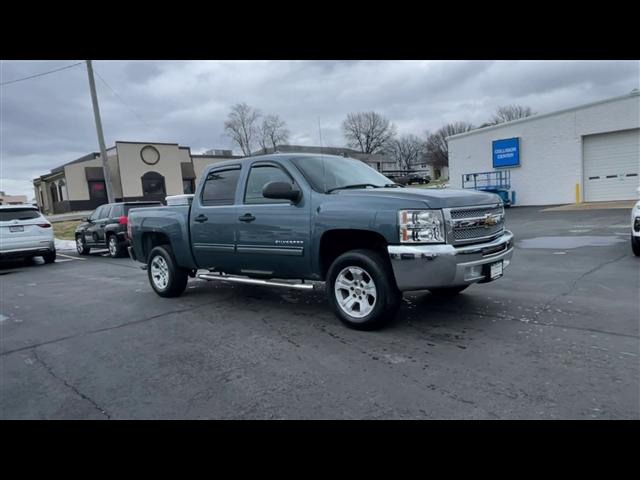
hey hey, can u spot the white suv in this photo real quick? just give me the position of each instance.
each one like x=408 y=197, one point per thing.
x=25 y=233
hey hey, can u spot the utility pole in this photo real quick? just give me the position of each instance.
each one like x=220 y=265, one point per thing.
x=103 y=149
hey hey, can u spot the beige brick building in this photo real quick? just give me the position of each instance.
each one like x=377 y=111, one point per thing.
x=139 y=171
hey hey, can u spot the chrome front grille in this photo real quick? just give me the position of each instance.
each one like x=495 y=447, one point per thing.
x=474 y=224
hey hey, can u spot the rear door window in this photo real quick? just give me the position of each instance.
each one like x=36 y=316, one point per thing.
x=116 y=211
x=220 y=187
x=9 y=214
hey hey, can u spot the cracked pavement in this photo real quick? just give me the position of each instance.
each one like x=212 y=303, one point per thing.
x=557 y=337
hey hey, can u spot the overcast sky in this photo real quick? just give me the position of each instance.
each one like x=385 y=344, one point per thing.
x=48 y=121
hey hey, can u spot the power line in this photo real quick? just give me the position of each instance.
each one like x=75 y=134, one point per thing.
x=122 y=101
x=39 y=74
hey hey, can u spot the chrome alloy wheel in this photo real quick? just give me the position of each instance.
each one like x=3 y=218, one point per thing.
x=113 y=245
x=355 y=292
x=159 y=272
x=79 y=243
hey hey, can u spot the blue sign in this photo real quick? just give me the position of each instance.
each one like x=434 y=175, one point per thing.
x=506 y=153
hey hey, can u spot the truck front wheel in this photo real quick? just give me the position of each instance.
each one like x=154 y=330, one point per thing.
x=165 y=276
x=362 y=291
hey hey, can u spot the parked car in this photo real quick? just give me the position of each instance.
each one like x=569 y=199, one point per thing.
x=404 y=178
x=417 y=177
x=25 y=233
x=106 y=227
x=324 y=218
x=635 y=228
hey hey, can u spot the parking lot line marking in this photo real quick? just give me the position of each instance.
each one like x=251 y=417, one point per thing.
x=68 y=256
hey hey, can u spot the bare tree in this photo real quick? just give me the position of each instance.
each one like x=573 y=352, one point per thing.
x=437 y=150
x=273 y=131
x=368 y=132
x=241 y=126
x=406 y=151
x=509 y=113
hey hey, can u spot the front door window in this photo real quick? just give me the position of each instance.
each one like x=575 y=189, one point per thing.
x=97 y=190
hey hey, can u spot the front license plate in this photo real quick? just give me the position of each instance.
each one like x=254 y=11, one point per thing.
x=16 y=229
x=495 y=270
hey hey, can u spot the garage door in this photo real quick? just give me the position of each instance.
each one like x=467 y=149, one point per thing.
x=611 y=166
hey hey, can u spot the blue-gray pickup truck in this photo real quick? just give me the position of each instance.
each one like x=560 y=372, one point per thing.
x=284 y=219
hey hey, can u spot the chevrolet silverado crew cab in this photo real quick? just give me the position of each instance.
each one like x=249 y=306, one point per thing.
x=283 y=219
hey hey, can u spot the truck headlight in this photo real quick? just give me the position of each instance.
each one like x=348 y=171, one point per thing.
x=421 y=226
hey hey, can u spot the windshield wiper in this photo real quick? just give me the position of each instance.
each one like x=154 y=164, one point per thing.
x=358 y=185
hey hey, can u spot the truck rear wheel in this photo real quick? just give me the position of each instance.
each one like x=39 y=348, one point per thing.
x=362 y=291
x=165 y=276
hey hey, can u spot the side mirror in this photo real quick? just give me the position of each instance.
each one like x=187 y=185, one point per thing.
x=84 y=219
x=281 y=190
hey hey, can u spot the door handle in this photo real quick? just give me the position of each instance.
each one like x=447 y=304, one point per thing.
x=201 y=218
x=247 y=217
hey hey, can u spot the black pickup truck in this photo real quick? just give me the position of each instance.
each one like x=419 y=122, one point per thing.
x=284 y=219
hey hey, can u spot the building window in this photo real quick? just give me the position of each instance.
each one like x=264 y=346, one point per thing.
x=54 y=193
x=97 y=189
x=189 y=186
x=61 y=184
x=153 y=185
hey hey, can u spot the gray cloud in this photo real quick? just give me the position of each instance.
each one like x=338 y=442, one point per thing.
x=47 y=121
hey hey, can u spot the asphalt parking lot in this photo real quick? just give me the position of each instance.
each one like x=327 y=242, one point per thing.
x=557 y=337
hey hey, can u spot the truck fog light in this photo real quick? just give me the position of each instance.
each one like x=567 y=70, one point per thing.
x=473 y=272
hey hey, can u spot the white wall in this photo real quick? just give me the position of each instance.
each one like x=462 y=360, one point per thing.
x=550 y=149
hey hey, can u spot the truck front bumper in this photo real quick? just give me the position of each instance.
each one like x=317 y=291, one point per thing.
x=420 y=267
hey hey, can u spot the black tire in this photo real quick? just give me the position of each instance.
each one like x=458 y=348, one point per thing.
x=117 y=249
x=387 y=296
x=49 y=257
x=635 y=245
x=447 y=291
x=176 y=279
x=81 y=245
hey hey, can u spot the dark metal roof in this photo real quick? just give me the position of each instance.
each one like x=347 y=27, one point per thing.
x=90 y=156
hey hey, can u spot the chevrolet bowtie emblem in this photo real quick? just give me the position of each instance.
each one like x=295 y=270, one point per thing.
x=491 y=220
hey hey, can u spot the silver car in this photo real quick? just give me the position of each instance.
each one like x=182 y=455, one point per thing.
x=25 y=233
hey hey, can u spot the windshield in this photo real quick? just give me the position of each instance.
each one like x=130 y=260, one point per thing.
x=326 y=173
x=7 y=214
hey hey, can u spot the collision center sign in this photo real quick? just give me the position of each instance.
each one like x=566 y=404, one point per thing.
x=506 y=152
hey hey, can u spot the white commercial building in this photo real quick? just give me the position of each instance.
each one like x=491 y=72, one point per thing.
x=587 y=153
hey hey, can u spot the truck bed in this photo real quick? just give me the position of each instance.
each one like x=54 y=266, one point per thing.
x=170 y=221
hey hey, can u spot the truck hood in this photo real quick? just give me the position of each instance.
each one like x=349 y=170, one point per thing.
x=434 y=198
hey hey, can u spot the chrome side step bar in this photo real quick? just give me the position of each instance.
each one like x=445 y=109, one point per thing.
x=254 y=281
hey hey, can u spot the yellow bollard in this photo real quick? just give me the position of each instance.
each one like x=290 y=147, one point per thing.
x=577 y=193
